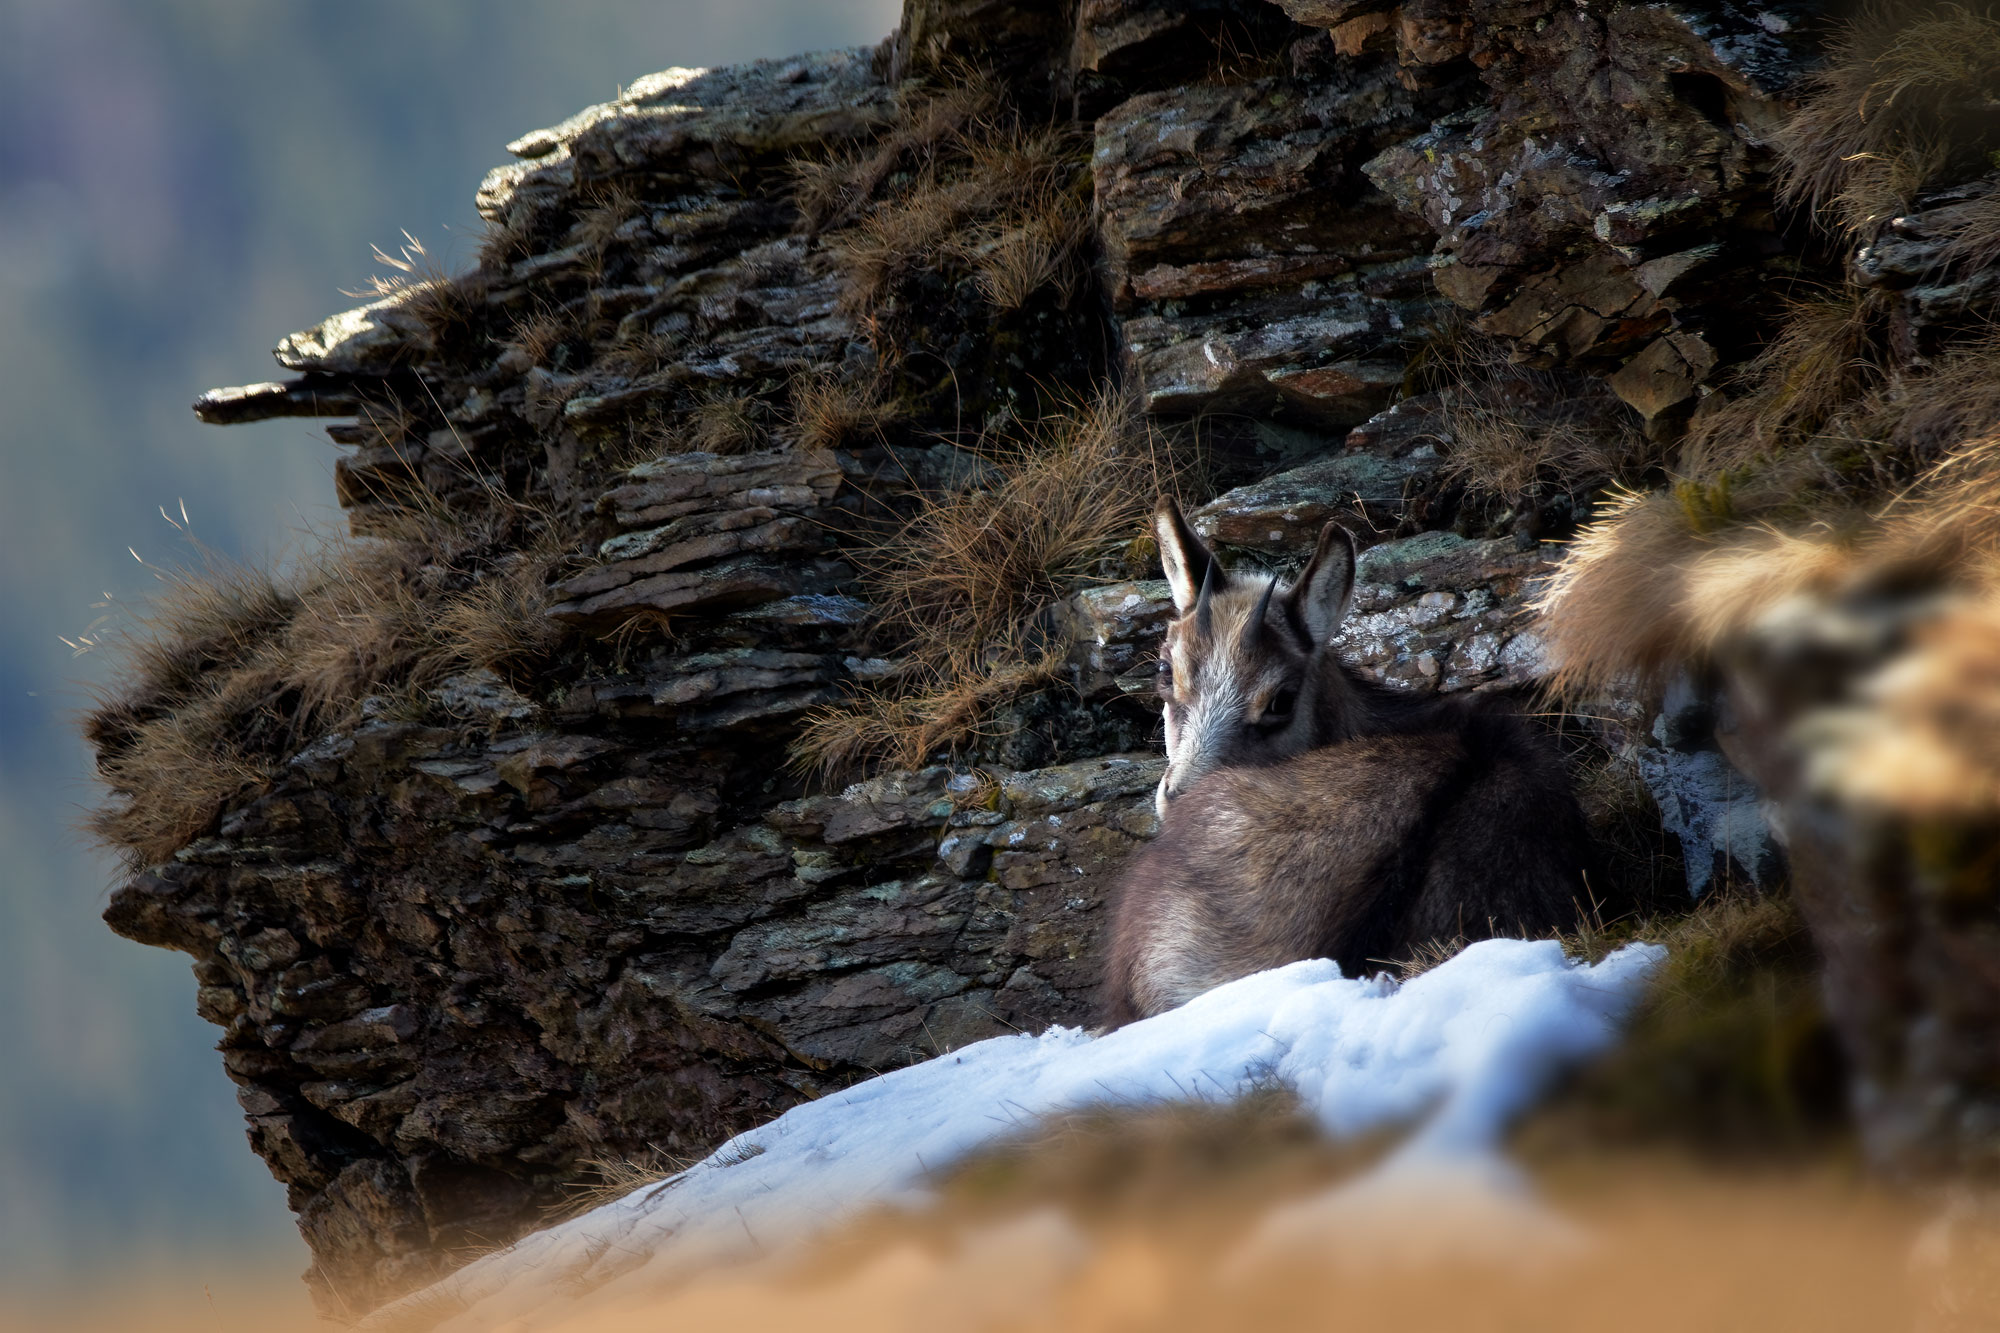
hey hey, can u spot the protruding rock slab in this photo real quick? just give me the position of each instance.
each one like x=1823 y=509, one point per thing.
x=1126 y=47
x=1253 y=264
x=1928 y=258
x=1614 y=189
x=371 y=340
x=722 y=521
x=262 y=402
x=700 y=124
x=1364 y=493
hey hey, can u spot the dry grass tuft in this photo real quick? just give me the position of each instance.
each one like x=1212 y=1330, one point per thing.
x=541 y=335
x=232 y=670
x=1653 y=585
x=449 y=308
x=970 y=567
x=637 y=355
x=965 y=582
x=1906 y=97
x=1035 y=250
x=612 y=206
x=1926 y=416
x=610 y=1179
x=503 y=244
x=1002 y=206
x=726 y=423
x=1972 y=232
x=1496 y=451
x=1514 y=432
x=1831 y=469
x=497 y=622
x=1606 y=612
x=1825 y=359
x=949 y=706
x=833 y=190
x=1643 y=592
x=829 y=412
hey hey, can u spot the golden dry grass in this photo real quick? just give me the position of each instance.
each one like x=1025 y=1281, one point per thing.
x=538 y=335
x=831 y=190
x=1034 y=249
x=1825 y=359
x=1972 y=235
x=829 y=412
x=941 y=707
x=1511 y=431
x=726 y=423
x=449 y=307
x=1496 y=451
x=1648 y=588
x=1607 y=611
x=972 y=566
x=609 y=1179
x=1925 y=417
x=1906 y=97
x=612 y=205
x=1003 y=205
x=962 y=583
x=230 y=670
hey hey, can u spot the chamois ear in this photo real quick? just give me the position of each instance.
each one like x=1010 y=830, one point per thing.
x=1318 y=602
x=1188 y=564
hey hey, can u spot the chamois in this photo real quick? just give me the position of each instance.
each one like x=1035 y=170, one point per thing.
x=1309 y=813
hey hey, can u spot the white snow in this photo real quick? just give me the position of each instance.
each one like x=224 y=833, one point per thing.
x=1459 y=1050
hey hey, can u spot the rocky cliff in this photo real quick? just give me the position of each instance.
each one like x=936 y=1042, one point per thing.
x=557 y=891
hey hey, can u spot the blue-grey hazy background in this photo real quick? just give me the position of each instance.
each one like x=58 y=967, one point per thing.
x=181 y=183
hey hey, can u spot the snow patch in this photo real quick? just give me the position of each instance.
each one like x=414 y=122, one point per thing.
x=1459 y=1051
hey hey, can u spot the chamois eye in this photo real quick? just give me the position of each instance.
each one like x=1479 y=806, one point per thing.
x=1164 y=681
x=1280 y=705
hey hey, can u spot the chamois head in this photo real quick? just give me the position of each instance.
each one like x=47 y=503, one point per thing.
x=1247 y=668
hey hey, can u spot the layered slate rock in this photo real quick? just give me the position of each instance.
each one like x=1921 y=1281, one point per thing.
x=658 y=226
x=1126 y=47
x=1609 y=203
x=1253 y=265
x=454 y=963
x=1942 y=285
x=701 y=532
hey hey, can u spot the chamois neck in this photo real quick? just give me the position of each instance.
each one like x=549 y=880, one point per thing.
x=1350 y=706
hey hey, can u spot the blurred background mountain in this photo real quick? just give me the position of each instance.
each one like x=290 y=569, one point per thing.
x=182 y=182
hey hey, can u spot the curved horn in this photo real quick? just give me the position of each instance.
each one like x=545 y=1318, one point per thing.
x=1253 y=630
x=1203 y=620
